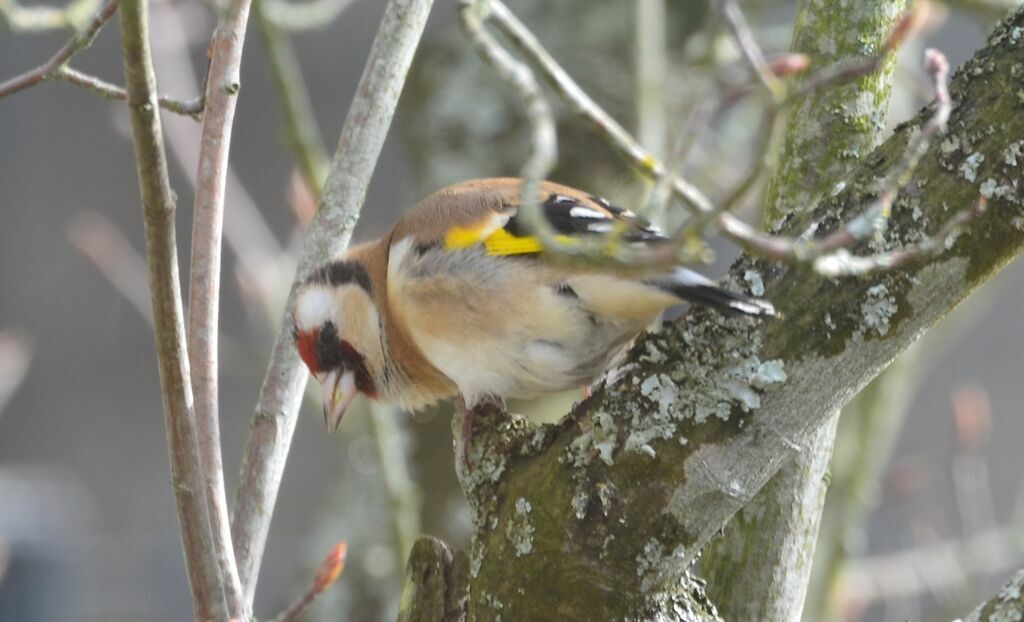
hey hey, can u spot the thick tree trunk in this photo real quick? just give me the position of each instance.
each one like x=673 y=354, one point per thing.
x=760 y=567
x=600 y=516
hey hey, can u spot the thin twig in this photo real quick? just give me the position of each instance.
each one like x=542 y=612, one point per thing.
x=261 y=259
x=15 y=359
x=165 y=289
x=518 y=76
x=57 y=68
x=651 y=66
x=362 y=138
x=308 y=15
x=191 y=108
x=326 y=574
x=221 y=97
x=404 y=494
x=584 y=106
x=304 y=136
x=745 y=40
x=946 y=564
x=44 y=18
x=520 y=79
x=106 y=246
x=844 y=72
x=829 y=255
x=76 y=44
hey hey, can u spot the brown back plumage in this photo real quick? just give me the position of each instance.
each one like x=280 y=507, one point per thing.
x=468 y=203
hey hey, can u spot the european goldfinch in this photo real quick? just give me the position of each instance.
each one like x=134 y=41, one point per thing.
x=454 y=301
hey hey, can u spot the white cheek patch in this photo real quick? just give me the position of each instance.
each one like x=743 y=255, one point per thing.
x=313 y=308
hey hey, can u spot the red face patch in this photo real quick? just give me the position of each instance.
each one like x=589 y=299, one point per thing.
x=305 y=342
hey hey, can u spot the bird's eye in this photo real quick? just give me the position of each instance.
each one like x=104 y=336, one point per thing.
x=328 y=349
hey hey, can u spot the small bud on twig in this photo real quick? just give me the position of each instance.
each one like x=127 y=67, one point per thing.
x=789 y=65
x=330 y=568
x=326 y=574
x=908 y=25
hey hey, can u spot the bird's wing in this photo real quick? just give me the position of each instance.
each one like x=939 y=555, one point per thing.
x=486 y=213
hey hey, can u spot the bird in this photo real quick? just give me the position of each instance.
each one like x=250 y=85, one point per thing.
x=457 y=301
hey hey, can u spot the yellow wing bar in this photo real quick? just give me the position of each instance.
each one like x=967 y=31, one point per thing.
x=496 y=241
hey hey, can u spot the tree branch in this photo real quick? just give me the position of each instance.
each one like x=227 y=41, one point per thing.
x=361 y=140
x=628 y=489
x=222 y=85
x=191 y=108
x=165 y=289
x=300 y=119
x=1008 y=604
x=761 y=566
x=76 y=44
x=43 y=18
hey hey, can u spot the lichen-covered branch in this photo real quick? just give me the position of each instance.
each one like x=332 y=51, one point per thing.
x=761 y=566
x=362 y=138
x=187 y=474
x=436 y=582
x=606 y=510
x=1008 y=604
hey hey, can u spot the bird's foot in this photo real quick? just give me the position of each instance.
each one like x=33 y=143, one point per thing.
x=469 y=413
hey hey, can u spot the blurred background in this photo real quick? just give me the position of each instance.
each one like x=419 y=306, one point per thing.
x=925 y=517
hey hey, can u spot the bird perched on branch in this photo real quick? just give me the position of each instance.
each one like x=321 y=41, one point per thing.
x=456 y=301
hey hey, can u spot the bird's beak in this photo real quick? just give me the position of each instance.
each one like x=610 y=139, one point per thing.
x=339 y=389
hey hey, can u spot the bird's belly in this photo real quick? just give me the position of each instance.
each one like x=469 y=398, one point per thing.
x=553 y=346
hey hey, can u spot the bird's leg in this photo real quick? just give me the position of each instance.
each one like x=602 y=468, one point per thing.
x=469 y=413
x=467 y=424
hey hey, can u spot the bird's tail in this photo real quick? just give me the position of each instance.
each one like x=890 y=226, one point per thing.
x=697 y=289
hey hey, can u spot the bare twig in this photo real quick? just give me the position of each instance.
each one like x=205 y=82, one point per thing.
x=261 y=259
x=15 y=358
x=305 y=15
x=946 y=564
x=161 y=253
x=57 y=69
x=744 y=38
x=584 y=106
x=304 y=136
x=651 y=63
x=222 y=86
x=829 y=255
x=844 y=72
x=44 y=18
x=520 y=79
x=76 y=44
x=326 y=574
x=404 y=494
x=344 y=192
x=106 y=246
x=191 y=108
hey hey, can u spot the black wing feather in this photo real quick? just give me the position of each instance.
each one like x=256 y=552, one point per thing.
x=570 y=216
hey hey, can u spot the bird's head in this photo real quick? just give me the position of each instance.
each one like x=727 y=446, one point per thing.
x=337 y=333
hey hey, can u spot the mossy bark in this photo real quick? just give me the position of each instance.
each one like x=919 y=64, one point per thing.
x=828 y=132
x=600 y=516
x=760 y=567
x=1007 y=605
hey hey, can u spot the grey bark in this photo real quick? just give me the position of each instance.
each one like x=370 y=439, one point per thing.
x=600 y=516
x=761 y=567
